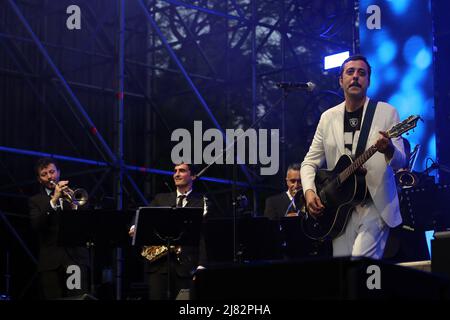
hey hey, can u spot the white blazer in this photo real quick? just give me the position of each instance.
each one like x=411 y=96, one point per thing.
x=328 y=146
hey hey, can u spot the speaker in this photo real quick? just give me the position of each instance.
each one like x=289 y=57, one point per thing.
x=335 y=278
x=405 y=245
x=440 y=258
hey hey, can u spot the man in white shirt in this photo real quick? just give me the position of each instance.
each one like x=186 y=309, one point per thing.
x=368 y=225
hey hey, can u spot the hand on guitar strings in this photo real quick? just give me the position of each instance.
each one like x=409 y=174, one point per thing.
x=313 y=203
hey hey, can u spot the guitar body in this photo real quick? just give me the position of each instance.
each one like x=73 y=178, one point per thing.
x=338 y=198
x=341 y=191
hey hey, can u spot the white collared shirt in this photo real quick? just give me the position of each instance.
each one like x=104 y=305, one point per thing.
x=183 y=194
x=54 y=207
x=205 y=206
x=290 y=198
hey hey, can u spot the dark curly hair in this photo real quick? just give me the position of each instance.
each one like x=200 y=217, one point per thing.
x=355 y=58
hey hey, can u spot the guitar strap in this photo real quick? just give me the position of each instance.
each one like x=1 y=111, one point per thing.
x=367 y=123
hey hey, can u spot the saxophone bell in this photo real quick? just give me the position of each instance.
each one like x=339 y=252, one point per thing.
x=406 y=179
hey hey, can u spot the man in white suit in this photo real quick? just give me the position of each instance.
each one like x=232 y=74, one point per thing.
x=337 y=133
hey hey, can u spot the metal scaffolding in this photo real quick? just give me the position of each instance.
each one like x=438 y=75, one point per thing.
x=161 y=64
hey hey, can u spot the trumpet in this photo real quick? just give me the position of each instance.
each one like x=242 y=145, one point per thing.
x=78 y=197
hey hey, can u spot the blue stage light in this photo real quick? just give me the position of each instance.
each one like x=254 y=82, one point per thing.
x=374 y=85
x=429 y=235
x=391 y=74
x=399 y=6
x=423 y=59
x=412 y=48
x=387 y=51
x=413 y=80
x=335 y=60
x=432 y=148
x=401 y=56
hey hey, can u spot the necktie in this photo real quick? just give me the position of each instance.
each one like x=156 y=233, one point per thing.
x=180 y=201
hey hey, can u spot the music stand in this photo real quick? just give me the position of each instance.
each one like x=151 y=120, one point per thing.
x=259 y=239
x=297 y=244
x=89 y=228
x=424 y=208
x=167 y=226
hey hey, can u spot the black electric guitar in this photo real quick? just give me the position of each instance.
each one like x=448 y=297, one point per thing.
x=342 y=188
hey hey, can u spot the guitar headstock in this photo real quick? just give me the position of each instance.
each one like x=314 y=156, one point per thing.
x=402 y=127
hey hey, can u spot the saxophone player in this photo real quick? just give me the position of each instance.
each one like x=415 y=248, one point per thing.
x=186 y=259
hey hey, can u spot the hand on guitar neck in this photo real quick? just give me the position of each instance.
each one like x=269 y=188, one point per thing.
x=384 y=145
x=313 y=203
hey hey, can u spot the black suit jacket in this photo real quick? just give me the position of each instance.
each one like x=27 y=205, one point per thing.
x=194 y=200
x=45 y=221
x=190 y=257
x=298 y=245
x=276 y=206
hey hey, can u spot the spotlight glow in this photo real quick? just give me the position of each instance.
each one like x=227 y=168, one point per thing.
x=335 y=60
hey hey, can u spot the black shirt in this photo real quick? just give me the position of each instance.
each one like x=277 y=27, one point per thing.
x=352 y=123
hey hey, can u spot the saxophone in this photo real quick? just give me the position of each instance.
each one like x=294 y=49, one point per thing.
x=153 y=253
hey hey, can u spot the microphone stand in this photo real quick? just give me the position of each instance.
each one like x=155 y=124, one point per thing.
x=234 y=188
x=6 y=295
x=283 y=97
x=236 y=255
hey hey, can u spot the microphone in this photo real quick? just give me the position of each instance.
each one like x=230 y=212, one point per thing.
x=168 y=187
x=308 y=86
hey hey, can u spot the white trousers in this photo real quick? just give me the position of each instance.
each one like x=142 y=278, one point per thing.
x=365 y=235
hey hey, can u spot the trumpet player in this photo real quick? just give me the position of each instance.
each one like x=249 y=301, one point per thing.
x=53 y=259
x=289 y=203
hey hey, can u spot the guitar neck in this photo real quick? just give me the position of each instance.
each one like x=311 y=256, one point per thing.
x=350 y=170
